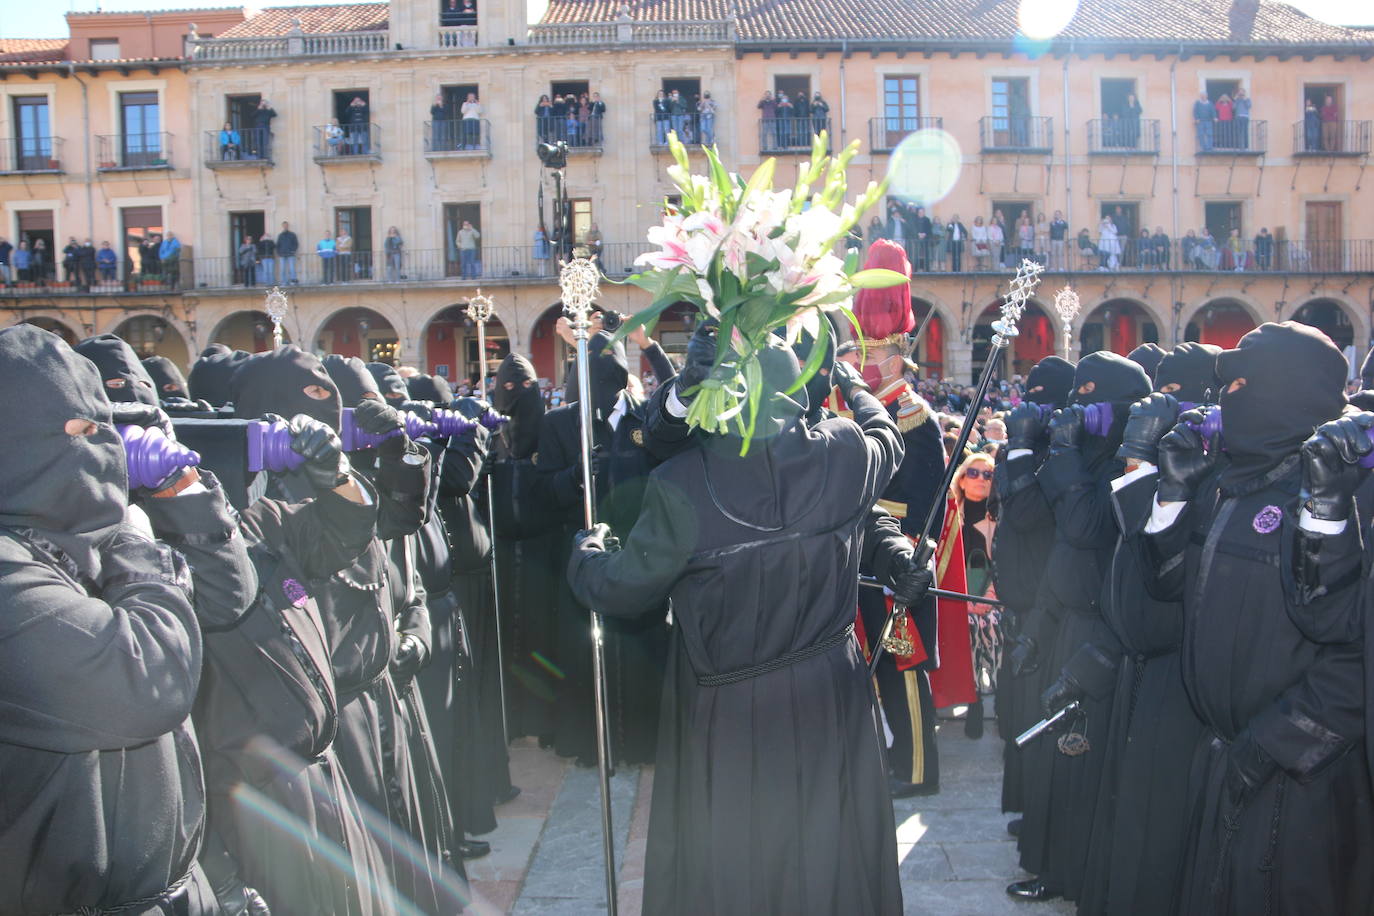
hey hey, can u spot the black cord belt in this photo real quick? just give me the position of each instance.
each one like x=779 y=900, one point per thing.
x=782 y=661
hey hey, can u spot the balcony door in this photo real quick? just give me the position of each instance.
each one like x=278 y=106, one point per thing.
x=140 y=129
x=454 y=217
x=32 y=133
x=37 y=226
x=1010 y=111
x=1324 y=234
x=901 y=108
x=356 y=222
x=140 y=224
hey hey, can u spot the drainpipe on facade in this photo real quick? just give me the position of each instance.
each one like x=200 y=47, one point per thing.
x=86 y=142
x=1068 y=171
x=1173 y=165
x=844 y=50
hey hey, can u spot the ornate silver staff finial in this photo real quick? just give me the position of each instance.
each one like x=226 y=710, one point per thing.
x=480 y=307
x=276 y=306
x=1022 y=286
x=1066 y=306
x=580 y=282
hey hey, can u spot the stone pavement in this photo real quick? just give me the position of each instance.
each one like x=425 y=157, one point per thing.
x=955 y=855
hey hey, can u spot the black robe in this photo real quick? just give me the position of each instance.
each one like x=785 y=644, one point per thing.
x=1268 y=666
x=1135 y=859
x=770 y=794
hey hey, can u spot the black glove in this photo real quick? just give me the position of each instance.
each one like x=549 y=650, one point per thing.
x=144 y=415
x=910 y=584
x=410 y=658
x=1025 y=426
x=1330 y=465
x=1061 y=693
x=1151 y=419
x=598 y=538
x=1066 y=428
x=599 y=460
x=1025 y=656
x=848 y=380
x=378 y=418
x=1183 y=462
x=701 y=357
x=422 y=409
x=1248 y=768
x=326 y=465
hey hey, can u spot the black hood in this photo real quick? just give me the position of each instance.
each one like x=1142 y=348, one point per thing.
x=1053 y=376
x=1294 y=382
x=70 y=490
x=1147 y=357
x=776 y=410
x=351 y=377
x=1193 y=367
x=608 y=371
x=1367 y=371
x=122 y=374
x=522 y=402
x=819 y=385
x=167 y=378
x=210 y=374
x=432 y=388
x=1117 y=381
x=390 y=385
x=275 y=382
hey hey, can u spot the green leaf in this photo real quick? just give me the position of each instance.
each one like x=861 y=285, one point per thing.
x=679 y=151
x=761 y=179
x=876 y=278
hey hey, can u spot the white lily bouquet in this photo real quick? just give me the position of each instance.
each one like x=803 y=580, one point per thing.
x=759 y=262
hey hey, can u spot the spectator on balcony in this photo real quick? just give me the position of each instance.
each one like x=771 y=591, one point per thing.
x=1025 y=237
x=560 y=113
x=246 y=258
x=148 y=266
x=345 y=269
x=663 y=116
x=584 y=119
x=267 y=260
x=1235 y=255
x=467 y=240
x=820 y=113
x=787 y=121
x=467 y=13
x=1143 y=248
x=572 y=126
x=229 y=143
x=262 y=129
x=6 y=253
x=955 y=234
x=677 y=116
x=1241 y=107
x=1059 y=228
x=472 y=122
x=706 y=115
x=1312 y=127
x=1331 y=125
x=333 y=137
x=169 y=260
x=1042 y=238
x=1204 y=119
x=937 y=242
x=1108 y=244
x=288 y=246
x=981 y=244
x=450 y=13
x=997 y=240
x=441 y=124
x=768 y=111
x=543 y=119
x=359 y=117
x=70 y=271
x=326 y=249
x=23 y=262
x=1159 y=244
x=394 y=247
x=875 y=230
x=598 y=117
x=921 y=233
x=85 y=260
x=107 y=262
x=1131 y=114
x=1086 y=249
x=1264 y=249
x=1226 y=123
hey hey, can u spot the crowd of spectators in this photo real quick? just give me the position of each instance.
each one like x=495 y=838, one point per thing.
x=575 y=119
x=789 y=123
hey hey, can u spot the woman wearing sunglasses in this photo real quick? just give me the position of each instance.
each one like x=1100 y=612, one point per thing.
x=970 y=494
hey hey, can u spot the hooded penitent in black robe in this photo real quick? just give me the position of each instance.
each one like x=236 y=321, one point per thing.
x=527 y=540
x=101 y=798
x=1272 y=660
x=1061 y=790
x=432 y=388
x=126 y=380
x=1147 y=356
x=211 y=372
x=635 y=648
x=356 y=607
x=167 y=378
x=1020 y=549
x=770 y=794
x=1135 y=859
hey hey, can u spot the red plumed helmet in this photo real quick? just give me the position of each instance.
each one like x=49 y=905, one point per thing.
x=885 y=315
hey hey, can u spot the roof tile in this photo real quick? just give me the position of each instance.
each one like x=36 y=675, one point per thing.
x=32 y=49
x=350 y=17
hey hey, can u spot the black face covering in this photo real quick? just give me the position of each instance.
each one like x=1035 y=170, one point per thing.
x=390 y=385
x=1117 y=381
x=432 y=388
x=69 y=490
x=351 y=377
x=524 y=404
x=167 y=378
x=1294 y=382
x=210 y=375
x=121 y=372
x=1147 y=357
x=818 y=386
x=1050 y=382
x=275 y=383
x=1367 y=371
x=1193 y=367
x=608 y=371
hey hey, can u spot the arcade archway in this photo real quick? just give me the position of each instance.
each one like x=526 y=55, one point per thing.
x=250 y=331
x=1222 y=322
x=359 y=332
x=1329 y=317
x=1035 y=341
x=151 y=335
x=1119 y=325
x=450 y=343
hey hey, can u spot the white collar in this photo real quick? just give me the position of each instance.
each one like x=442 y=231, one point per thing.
x=622 y=404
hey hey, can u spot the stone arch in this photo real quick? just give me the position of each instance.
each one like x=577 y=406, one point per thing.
x=62 y=326
x=448 y=344
x=1336 y=316
x=1039 y=337
x=1120 y=324
x=246 y=329
x=155 y=334
x=356 y=331
x=1221 y=320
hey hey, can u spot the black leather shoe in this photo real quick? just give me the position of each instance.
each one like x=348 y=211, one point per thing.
x=474 y=849
x=1030 y=889
x=511 y=794
x=898 y=789
x=1014 y=827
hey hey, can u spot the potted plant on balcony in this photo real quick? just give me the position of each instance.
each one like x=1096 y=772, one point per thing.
x=758 y=262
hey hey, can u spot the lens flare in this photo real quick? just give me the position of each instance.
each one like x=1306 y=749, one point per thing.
x=1041 y=20
x=925 y=166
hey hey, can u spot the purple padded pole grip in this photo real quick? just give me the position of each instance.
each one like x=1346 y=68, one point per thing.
x=1210 y=427
x=451 y=423
x=269 y=448
x=152 y=457
x=492 y=420
x=355 y=439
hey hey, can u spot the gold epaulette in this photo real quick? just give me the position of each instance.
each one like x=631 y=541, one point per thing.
x=912 y=411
